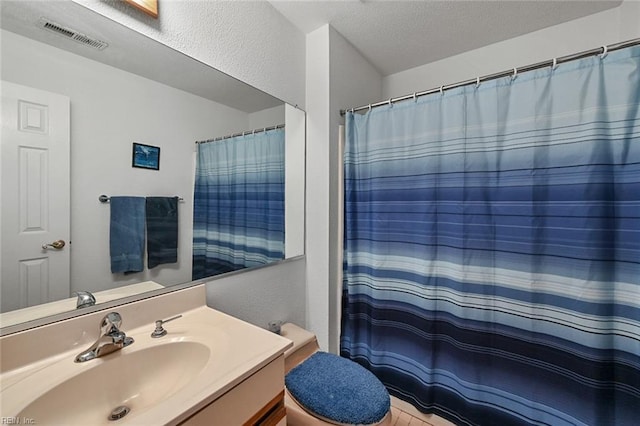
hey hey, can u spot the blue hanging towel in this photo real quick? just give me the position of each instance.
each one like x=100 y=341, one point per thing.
x=126 y=234
x=162 y=230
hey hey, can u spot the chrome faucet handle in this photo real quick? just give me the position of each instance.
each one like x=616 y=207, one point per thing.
x=160 y=331
x=85 y=299
x=110 y=323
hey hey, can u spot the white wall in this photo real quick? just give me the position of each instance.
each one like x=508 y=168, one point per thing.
x=611 y=26
x=111 y=109
x=258 y=294
x=629 y=19
x=248 y=40
x=318 y=166
x=294 y=182
x=266 y=118
x=337 y=77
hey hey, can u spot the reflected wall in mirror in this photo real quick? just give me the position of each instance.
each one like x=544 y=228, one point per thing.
x=95 y=96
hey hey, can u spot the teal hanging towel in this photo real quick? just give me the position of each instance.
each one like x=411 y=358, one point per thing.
x=126 y=234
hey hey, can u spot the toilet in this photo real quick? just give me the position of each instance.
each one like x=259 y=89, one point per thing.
x=325 y=389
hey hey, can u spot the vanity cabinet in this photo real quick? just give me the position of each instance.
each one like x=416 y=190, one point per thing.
x=257 y=400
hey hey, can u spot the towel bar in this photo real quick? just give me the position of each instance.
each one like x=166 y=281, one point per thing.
x=105 y=198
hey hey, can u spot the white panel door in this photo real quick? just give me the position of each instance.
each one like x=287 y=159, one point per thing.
x=35 y=185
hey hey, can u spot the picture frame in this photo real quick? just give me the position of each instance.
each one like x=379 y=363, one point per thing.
x=150 y=7
x=145 y=156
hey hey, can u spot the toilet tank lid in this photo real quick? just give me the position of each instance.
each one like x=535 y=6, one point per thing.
x=299 y=336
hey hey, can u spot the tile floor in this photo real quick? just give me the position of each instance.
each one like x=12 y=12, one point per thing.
x=405 y=415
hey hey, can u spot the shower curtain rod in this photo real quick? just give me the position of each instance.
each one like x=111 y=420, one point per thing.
x=512 y=72
x=249 y=132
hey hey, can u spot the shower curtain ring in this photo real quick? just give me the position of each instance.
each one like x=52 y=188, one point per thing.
x=555 y=64
x=515 y=74
x=605 y=50
x=477 y=82
x=389 y=102
x=369 y=108
x=441 y=90
x=415 y=99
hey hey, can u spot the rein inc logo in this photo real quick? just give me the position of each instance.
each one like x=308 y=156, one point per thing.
x=17 y=421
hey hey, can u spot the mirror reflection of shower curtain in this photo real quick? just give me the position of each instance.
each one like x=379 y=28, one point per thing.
x=238 y=213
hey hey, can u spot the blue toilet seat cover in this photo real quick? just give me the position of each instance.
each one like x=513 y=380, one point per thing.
x=338 y=389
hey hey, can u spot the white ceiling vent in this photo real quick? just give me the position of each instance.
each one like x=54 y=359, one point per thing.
x=72 y=34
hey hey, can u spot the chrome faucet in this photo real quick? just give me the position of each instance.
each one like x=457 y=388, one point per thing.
x=85 y=299
x=111 y=339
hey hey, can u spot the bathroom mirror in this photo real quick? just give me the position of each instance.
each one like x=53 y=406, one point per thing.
x=123 y=88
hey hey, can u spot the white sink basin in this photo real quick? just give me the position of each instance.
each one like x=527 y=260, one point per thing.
x=137 y=380
x=162 y=381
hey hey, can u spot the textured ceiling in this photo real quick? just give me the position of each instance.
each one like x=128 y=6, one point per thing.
x=398 y=35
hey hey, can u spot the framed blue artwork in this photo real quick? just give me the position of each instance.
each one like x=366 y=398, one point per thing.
x=146 y=156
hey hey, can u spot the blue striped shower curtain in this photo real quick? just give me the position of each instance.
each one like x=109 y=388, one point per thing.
x=492 y=247
x=238 y=212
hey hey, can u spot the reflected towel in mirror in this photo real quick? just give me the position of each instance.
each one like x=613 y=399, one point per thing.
x=162 y=230
x=126 y=234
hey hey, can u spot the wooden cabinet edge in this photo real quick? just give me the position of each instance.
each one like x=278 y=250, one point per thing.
x=270 y=414
x=261 y=395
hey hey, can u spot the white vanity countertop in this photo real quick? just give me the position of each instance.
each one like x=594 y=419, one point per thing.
x=234 y=351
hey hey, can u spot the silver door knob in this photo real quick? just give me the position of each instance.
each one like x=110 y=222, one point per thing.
x=56 y=245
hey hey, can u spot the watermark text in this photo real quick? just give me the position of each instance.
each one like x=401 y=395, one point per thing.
x=17 y=421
